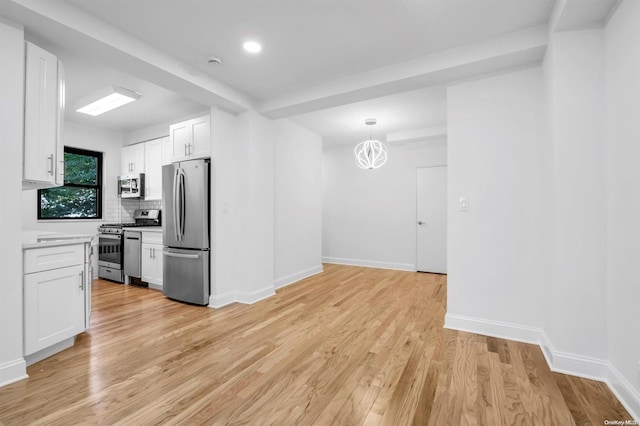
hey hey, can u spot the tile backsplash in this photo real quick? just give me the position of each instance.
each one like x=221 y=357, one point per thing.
x=118 y=210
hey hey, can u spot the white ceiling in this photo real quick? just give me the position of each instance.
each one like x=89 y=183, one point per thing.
x=404 y=111
x=309 y=42
x=84 y=77
x=318 y=55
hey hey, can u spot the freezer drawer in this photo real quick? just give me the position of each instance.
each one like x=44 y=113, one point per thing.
x=185 y=275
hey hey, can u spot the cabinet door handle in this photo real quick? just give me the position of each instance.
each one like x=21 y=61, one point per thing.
x=185 y=150
x=190 y=145
x=81 y=280
x=50 y=158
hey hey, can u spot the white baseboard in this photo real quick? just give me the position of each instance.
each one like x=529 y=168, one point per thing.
x=297 y=276
x=573 y=364
x=370 y=263
x=559 y=362
x=248 y=298
x=220 y=300
x=624 y=391
x=13 y=371
x=503 y=330
x=50 y=351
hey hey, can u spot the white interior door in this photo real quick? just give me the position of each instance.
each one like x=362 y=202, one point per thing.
x=432 y=219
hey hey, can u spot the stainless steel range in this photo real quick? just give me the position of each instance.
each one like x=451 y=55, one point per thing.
x=111 y=243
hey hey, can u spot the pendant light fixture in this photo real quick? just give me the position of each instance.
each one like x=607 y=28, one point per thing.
x=370 y=154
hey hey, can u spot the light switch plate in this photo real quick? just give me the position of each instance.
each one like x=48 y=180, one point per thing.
x=463 y=204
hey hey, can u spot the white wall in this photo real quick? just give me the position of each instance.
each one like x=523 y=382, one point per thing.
x=223 y=195
x=494 y=130
x=12 y=365
x=369 y=216
x=622 y=43
x=159 y=130
x=575 y=314
x=243 y=163
x=298 y=203
x=548 y=252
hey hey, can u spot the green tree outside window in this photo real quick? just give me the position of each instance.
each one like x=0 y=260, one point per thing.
x=81 y=195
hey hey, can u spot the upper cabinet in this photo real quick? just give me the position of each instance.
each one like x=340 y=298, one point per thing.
x=43 y=157
x=166 y=151
x=190 y=139
x=147 y=158
x=132 y=159
x=153 y=169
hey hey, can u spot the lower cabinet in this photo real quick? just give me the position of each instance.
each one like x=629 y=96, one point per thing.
x=54 y=308
x=152 y=263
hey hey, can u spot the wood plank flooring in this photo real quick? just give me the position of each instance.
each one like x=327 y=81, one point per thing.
x=350 y=346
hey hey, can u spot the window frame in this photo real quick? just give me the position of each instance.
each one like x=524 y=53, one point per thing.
x=98 y=186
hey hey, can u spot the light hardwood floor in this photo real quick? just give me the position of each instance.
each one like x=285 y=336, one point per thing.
x=349 y=346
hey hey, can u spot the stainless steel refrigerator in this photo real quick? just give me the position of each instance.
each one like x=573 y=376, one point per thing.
x=185 y=268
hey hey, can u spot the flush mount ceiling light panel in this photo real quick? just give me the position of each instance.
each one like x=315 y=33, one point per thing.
x=370 y=154
x=107 y=99
x=252 y=46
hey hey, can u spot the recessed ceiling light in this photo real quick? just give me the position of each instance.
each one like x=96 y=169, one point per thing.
x=107 y=99
x=252 y=46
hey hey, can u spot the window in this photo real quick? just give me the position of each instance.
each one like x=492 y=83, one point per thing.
x=81 y=195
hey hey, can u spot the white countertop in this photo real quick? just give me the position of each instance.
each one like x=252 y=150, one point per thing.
x=37 y=239
x=144 y=228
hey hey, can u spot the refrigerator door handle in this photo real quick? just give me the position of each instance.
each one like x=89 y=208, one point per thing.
x=183 y=206
x=181 y=256
x=175 y=204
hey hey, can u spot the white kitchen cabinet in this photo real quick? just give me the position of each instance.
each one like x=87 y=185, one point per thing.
x=152 y=259
x=152 y=265
x=54 y=307
x=132 y=159
x=57 y=295
x=43 y=159
x=190 y=139
x=166 y=150
x=153 y=170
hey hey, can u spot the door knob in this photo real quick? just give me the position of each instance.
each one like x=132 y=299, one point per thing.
x=421 y=222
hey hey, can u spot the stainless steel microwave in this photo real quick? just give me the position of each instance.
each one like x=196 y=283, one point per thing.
x=131 y=186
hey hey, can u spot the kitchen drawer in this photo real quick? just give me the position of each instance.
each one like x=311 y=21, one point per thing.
x=46 y=258
x=152 y=237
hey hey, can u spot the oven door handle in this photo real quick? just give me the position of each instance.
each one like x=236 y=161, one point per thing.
x=110 y=236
